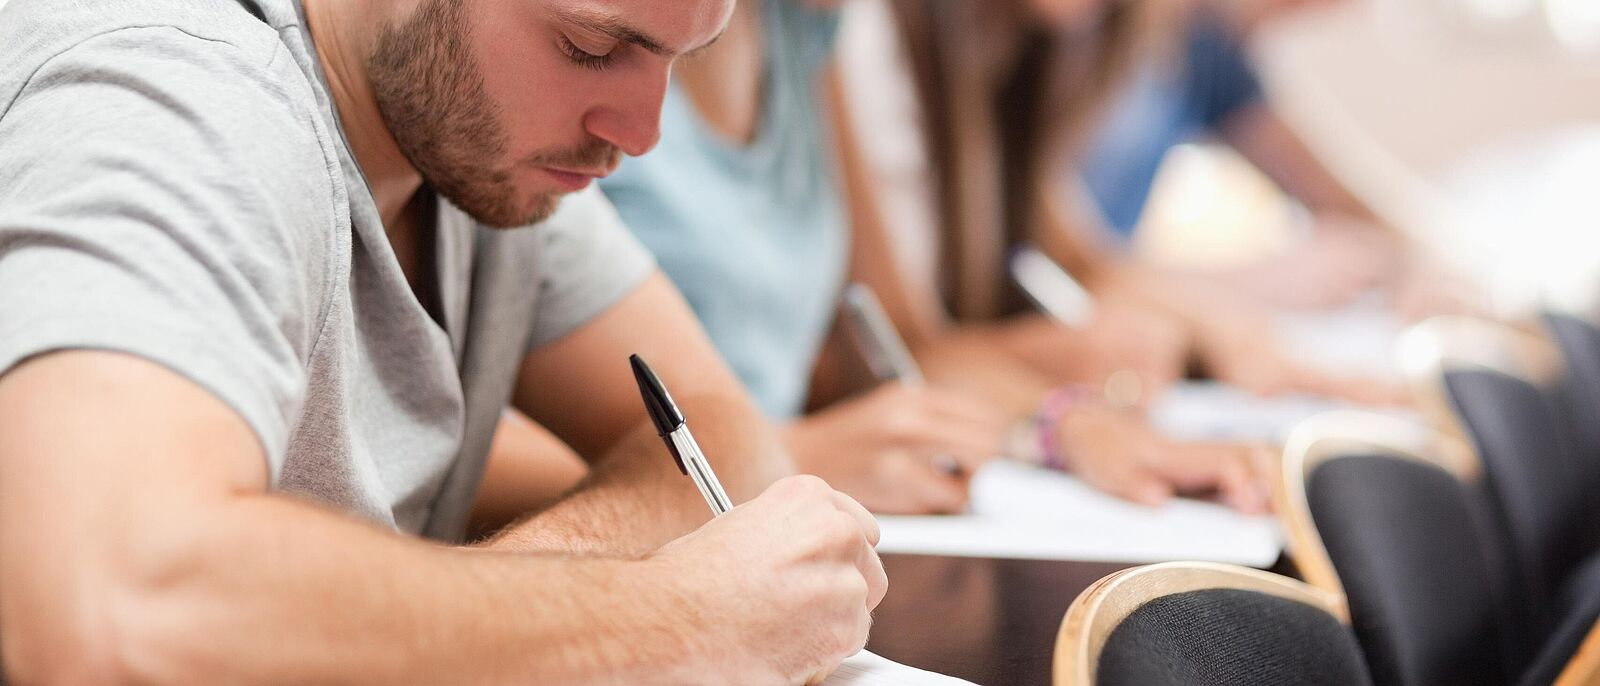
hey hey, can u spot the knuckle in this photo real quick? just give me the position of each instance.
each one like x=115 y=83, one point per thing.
x=809 y=485
x=859 y=589
x=784 y=487
x=877 y=583
x=841 y=527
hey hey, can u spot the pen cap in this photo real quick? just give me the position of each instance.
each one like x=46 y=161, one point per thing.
x=663 y=411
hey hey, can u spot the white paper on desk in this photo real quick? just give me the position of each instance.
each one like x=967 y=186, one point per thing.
x=1210 y=411
x=867 y=669
x=1355 y=340
x=1029 y=513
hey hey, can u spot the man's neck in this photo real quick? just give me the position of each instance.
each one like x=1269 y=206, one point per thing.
x=392 y=178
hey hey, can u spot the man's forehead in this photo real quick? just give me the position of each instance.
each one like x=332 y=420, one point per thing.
x=668 y=27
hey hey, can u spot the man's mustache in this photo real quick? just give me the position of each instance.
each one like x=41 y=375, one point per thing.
x=593 y=156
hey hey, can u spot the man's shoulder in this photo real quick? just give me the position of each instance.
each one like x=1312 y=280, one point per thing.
x=35 y=32
x=194 y=116
x=202 y=80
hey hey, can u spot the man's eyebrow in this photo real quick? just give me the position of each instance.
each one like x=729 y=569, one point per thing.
x=614 y=27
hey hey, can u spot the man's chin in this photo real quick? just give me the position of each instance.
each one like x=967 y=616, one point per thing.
x=535 y=210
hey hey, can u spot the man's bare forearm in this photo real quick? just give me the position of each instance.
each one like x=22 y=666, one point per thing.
x=139 y=544
x=266 y=590
x=636 y=499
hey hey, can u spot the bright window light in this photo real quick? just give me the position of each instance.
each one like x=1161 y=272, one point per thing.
x=1501 y=10
x=1575 y=23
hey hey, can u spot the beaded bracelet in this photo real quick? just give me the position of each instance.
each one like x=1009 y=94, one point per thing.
x=1037 y=441
x=1047 y=422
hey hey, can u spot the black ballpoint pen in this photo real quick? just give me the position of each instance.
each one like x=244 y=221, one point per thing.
x=672 y=428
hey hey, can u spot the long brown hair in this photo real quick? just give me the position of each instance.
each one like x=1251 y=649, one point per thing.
x=1005 y=101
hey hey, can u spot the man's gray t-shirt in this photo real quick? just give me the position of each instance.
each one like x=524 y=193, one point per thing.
x=174 y=185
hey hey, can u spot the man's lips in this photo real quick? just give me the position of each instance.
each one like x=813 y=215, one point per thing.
x=575 y=180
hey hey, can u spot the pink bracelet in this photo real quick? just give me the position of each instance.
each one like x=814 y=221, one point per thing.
x=1047 y=422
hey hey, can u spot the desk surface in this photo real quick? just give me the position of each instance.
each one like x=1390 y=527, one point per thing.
x=992 y=622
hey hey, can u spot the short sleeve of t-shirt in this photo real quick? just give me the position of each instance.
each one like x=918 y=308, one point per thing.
x=587 y=261
x=1221 y=79
x=813 y=30
x=160 y=196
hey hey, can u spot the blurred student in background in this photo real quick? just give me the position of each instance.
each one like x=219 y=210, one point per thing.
x=741 y=207
x=1203 y=86
x=1003 y=94
x=902 y=209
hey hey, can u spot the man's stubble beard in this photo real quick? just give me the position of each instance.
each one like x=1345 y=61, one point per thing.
x=433 y=99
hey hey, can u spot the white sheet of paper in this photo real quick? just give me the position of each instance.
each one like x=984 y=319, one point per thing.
x=1023 y=512
x=1209 y=411
x=867 y=669
x=1026 y=513
x=1358 y=339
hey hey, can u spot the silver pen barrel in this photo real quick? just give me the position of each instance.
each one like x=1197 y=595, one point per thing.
x=699 y=469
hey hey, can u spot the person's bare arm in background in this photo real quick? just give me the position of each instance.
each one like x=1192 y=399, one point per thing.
x=1263 y=138
x=1357 y=247
x=1233 y=337
x=139 y=543
x=1352 y=249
